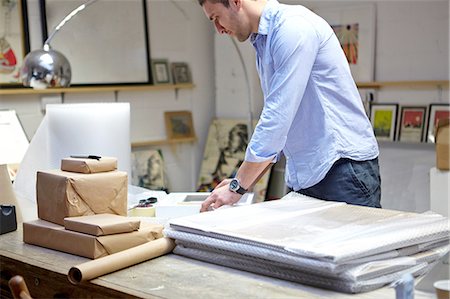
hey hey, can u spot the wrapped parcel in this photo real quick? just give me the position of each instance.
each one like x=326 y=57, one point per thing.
x=63 y=194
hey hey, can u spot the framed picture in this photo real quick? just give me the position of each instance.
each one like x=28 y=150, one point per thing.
x=354 y=26
x=412 y=124
x=436 y=112
x=179 y=125
x=14 y=41
x=160 y=71
x=384 y=119
x=224 y=152
x=148 y=169
x=181 y=73
x=115 y=48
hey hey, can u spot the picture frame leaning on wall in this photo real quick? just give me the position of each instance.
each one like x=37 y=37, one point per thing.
x=383 y=117
x=179 y=125
x=181 y=73
x=160 y=71
x=436 y=111
x=412 y=123
x=14 y=41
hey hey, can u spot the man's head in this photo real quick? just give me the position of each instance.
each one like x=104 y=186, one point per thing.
x=229 y=16
x=224 y=2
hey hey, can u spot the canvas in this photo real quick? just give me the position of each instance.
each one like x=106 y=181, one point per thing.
x=224 y=153
x=147 y=170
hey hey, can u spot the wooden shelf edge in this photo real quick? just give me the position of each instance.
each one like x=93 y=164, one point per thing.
x=414 y=84
x=85 y=89
x=162 y=142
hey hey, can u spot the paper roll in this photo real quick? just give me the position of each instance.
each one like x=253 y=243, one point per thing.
x=120 y=260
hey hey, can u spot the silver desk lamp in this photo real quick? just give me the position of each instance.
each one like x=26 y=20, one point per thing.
x=46 y=67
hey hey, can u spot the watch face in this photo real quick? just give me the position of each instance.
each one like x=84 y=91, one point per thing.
x=234 y=185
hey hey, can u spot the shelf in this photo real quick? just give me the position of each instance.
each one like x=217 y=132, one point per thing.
x=163 y=142
x=398 y=84
x=86 y=89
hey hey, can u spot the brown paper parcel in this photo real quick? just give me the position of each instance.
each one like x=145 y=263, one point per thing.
x=101 y=224
x=53 y=236
x=120 y=260
x=443 y=144
x=89 y=165
x=63 y=194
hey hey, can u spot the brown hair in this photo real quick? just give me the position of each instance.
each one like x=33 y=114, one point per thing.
x=224 y=2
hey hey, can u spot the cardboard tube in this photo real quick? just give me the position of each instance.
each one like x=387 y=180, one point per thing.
x=120 y=260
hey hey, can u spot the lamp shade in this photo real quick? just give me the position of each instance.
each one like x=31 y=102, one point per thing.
x=45 y=68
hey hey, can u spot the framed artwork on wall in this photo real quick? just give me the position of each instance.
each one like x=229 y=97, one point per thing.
x=181 y=73
x=14 y=41
x=412 y=123
x=108 y=50
x=160 y=71
x=384 y=119
x=179 y=125
x=435 y=113
x=354 y=26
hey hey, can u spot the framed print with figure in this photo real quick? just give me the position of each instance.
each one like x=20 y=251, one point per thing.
x=14 y=42
x=412 y=123
x=435 y=113
x=179 y=125
x=354 y=26
x=160 y=71
x=384 y=119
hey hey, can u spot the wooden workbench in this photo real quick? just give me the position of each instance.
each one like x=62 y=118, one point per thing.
x=170 y=276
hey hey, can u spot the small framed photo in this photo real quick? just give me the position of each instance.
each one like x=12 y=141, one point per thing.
x=181 y=73
x=435 y=113
x=160 y=71
x=384 y=120
x=179 y=125
x=412 y=124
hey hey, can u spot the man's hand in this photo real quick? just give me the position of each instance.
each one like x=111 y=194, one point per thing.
x=220 y=196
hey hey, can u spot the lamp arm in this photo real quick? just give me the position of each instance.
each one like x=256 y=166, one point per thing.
x=65 y=20
x=249 y=90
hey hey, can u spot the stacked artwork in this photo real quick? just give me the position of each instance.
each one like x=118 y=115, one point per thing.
x=224 y=153
x=326 y=244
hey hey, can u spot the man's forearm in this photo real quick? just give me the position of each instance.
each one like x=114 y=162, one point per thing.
x=250 y=172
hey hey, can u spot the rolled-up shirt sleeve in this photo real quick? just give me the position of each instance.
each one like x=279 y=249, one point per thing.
x=293 y=46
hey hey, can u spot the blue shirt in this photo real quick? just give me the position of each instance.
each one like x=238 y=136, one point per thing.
x=312 y=109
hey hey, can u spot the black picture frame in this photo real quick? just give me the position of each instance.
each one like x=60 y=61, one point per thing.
x=119 y=55
x=383 y=117
x=20 y=46
x=433 y=109
x=412 y=123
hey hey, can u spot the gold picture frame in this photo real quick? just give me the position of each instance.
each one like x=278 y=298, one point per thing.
x=179 y=125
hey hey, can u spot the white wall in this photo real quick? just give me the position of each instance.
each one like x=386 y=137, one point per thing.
x=178 y=31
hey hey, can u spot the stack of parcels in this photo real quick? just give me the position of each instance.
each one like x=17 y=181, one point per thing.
x=325 y=244
x=82 y=209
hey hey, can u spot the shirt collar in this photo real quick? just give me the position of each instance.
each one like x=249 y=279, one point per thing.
x=264 y=22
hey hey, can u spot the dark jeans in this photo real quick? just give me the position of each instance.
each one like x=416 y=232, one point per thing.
x=354 y=182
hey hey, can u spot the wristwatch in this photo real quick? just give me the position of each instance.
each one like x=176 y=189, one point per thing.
x=235 y=186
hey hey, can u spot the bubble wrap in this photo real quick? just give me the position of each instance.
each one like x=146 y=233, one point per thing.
x=326 y=244
x=298 y=276
x=327 y=231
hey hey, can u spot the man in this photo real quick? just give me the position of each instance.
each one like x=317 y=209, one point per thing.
x=312 y=109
